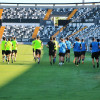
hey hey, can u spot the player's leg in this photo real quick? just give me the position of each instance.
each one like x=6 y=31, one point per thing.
x=93 y=62
x=36 y=53
x=76 y=58
x=6 y=55
x=59 y=58
x=50 y=60
x=9 y=55
x=3 y=55
x=33 y=53
x=62 y=60
x=39 y=55
x=97 y=59
x=82 y=57
x=54 y=56
x=68 y=56
x=9 y=58
x=76 y=61
x=12 y=55
x=15 y=55
x=79 y=57
x=93 y=56
x=63 y=57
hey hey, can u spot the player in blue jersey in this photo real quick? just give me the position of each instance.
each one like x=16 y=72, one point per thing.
x=98 y=40
x=94 y=47
x=83 y=50
x=77 y=48
x=80 y=50
x=62 y=51
x=68 y=44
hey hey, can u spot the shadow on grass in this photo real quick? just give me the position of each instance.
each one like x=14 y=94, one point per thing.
x=45 y=82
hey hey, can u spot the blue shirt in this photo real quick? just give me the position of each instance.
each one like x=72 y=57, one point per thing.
x=99 y=45
x=83 y=46
x=62 y=48
x=68 y=43
x=95 y=46
x=77 y=46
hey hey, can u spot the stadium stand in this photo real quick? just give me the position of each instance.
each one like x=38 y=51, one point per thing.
x=80 y=17
x=38 y=13
x=23 y=13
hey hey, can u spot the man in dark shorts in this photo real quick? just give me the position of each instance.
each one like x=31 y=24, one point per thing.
x=77 y=48
x=14 y=49
x=98 y=40
x=83 y=50
x=8 y=47
x=94 y=47
x=38 y=47
x=33 y=47
x=3 y=48
x=51 y=46
x=62 y=51
x=68 y=43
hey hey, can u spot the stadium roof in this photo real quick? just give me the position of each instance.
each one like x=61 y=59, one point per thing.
x=48 y=1
x=49 y=5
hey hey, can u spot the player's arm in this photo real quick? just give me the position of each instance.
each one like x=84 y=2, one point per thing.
x=59 y=46
x=85 y=46
x=73 y=45
x=5 y=45
x=33 y=43
x=54 y=45
x=90 y=46
x=42 y=45
x=47 y=45
x=99 y=45
x=66 y=46
x=12 y=45
x=17 y=43
x=80 y=46
x=1 y=45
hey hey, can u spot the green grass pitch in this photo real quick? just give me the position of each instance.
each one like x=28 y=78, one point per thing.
x=26 y=80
